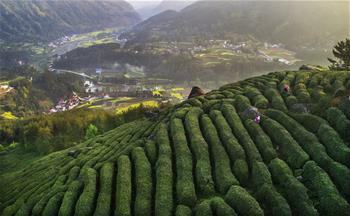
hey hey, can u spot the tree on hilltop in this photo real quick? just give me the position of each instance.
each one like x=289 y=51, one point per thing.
x=341 y=52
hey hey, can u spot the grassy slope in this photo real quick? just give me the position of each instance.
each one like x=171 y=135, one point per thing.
x=203 y=157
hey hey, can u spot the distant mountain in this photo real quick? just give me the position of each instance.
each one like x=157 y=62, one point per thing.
x=50 y=19
x=175 y=5
x=292 y=23
x=147 y=9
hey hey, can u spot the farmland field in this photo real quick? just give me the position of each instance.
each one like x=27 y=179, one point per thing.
x=206 y=157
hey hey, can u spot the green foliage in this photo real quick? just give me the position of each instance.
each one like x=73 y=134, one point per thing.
x=330 y=201
x=341 y=51
x=339 y=121
x=70 y=198
x=85 y=203
x=242 y=202
x=204 y=180
x=275 y=99
x=222 y=170
x=233 y=148
x=182 y=210
x=185 y=189
x=241 y=133
x=262 y=141
x=164 y=175
x=91 y=132
x=204 y=209
x=221 y=208
x=241 y=170
x=143 y=180
x=290 y=150
x=105 y=194
x=53 y=205
x=124 y=187
x=293 y=190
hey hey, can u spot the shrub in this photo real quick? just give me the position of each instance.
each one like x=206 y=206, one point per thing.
x=185 y=189
x=294 y=191
x=233 y=148
x=317 y=180
x=73 y=174
x=104 y=197
x=123 y=188
x=291 y=100
x=242 y=202
x=70 y=198
x=223 y=175
x=143 y=182
x=290 y=150
x=53 y=205
x=241 y=171
x=260 y=174
x=336 y=148
x=85 y=204
x=221 y=208
x=261 y=140
x=204 y=180
x=242 y=103
x=182 y=210
x=203 y=209
x=276 y=203
x=275 y=99
x=309 y=121
x=338 y=120
x=241 y=133
x=151 y=151
x=164 y=175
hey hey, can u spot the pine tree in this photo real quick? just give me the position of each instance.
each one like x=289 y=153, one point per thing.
x=341 y=51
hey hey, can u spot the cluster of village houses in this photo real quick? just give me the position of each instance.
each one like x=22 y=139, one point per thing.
x=74 y=101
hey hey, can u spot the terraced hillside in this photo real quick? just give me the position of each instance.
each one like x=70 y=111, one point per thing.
x=205 y=158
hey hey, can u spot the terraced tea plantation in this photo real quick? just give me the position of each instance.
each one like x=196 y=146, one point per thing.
x=204 y=157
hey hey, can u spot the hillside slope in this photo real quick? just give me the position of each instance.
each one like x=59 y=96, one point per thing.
x=292 y=22
x=46 y=19
x=205 y=157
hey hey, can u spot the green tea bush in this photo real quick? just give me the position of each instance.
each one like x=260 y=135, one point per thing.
x=182 y=210
x=242 y=103
x=164 y=175
x=336 y=148
x=330 y=201
x=185 y=189
x=53 y=205
x=200 y=150
x=311 y=122
x=293 y=190
x=73 y=174
x=275 y=202
x=221 y=208
x=70 y=198
x=339 y=121
x=241 y=133
x=308 y=141
x=203 y=209
x=123 y=187
x=290 y=150
x=85 y=204
x=143 y=182
x=242 y=202
x=241 y=171
x=261 y=140
x=291 y=100
x=104 y=197
x=233 y=148
x=275 y=99
x=151 y=151
x=222 y=170
x=260 y=174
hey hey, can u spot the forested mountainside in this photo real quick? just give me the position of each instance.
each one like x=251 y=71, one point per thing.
x=292 y=23
x=47 y=19
x=207 y=157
